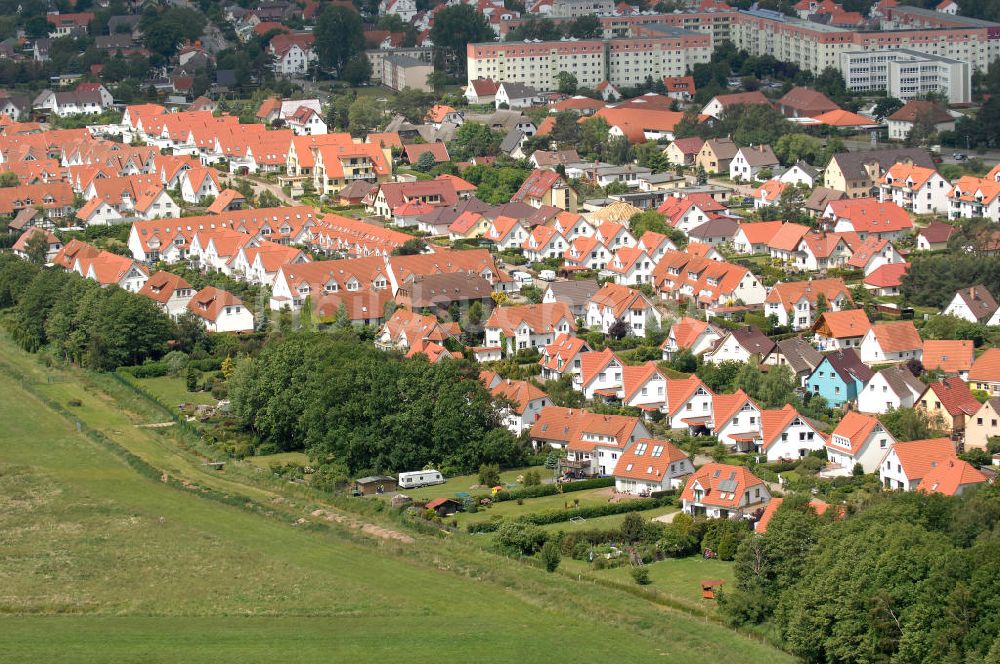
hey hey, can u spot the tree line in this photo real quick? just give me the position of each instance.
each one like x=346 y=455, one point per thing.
x=932 y=280
x=907 y=577
x=368 y=411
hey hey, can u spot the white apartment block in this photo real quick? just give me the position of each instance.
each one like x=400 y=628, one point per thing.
x=622 y=62
x=906 y=74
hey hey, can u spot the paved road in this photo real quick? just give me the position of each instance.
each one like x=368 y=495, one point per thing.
x=259 y=186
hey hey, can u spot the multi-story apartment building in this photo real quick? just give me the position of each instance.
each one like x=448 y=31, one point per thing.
x=906 y=74
x=667 y=51
x=716 y=22
x=575 y=8
x=816 y=46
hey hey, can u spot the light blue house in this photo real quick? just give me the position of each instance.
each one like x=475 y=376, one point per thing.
x=840 y=377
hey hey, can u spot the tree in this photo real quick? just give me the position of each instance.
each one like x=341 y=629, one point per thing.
x=9 y=179
x=437 y=80
x=228 y=367
x=650 y=155
x=425 y=162
x=519 y=537
x=551 y=556
x=908 y=424
x=305 y=315
x=412 y=248
x=454 y=28
x=474 y=139
x=489 y=474
x=886 y=106
x=339 y=37
x=584 y=27
x=792 y=148
x=633 y=527
x=831 y=83
x=164 y=31
x=358 y=70
x=566 y=83
x=364 y=114
x=593 y=136
x=343 y=320
x=191 y=380
x=37 y=247
x=618 y=330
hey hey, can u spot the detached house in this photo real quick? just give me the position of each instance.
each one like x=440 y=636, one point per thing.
x=683 y=151
x=840 y=377
x=563 y=356
x=526 y=403
x=915 y=188
x=867 y=216
x=935 y=236
x=985 y=372
x=689 y=404
x=406 y=328
x=949 y=404
x=891 y=342
x=506 y=233
x=692 y=334
x=983 y=425
x=631 y=266
x=600 y=375
x=614 y=303
x=510 y=329
x=651 y=465
x=892 y=388
x=597 y=443
x=543 y=242
x=836 y=330
x=873 y=253
x=857 y=440
x=973 y=197
x=736 y=420
x=794 y=303
x=953 y=477
x=974 y=304
x=951 y=357
x=169 y=291
x=785 y=434
x=721 y=491
x=546 y=188
x=906 y=463
x=795 y=353
x=716 y=155
x=741 y=345
x=221 y=311
x=750 y=162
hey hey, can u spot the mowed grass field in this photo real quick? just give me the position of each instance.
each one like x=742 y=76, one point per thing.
x=102 y=564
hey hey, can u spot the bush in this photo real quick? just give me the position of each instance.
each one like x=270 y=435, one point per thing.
x=175 y=361
x=520 y=537
x=148 y=370
x=640 y=575
x=532 y=478
x=526 y=492
x=583 y=485
x=633 y=527
x=551 y=556
x=489 y=474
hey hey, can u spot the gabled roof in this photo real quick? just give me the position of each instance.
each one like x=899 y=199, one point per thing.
x=801 y=356
x=947 y=355
x=889 y=275
x=841 y=118
x=792 y=292
x=854 y=426
x=722 y=485
x=918 y=457
x=724 y=406
x=649 y=459
x=537 y=184
x=909 y=175
x=620 y=299
x=774 y=422
x=843 y=324
x=950 y=476
x=689 y=146
x=807 y=101
x=161 y=286
x=979 y=301
x=918 y=109
x=896 y=336
x=540 y=318
x=870 y=215
x=986 y=368
x=414 y=151
x=818 y=506
x=680 y=390
x=686 y=331
x=615 y=429
x=902 y=381
x=937 y=232
x=520 y=392
x=866 y=251
x=848 y=365
x=209 y=302
x=955 y=396
x=759 y=155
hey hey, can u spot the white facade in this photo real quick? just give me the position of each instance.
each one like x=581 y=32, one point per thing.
x=906 y=74
x=930 y=198
x=698 y=405
x=795 y=441
x=878 y=396
x=871 y=352
x=868 y=454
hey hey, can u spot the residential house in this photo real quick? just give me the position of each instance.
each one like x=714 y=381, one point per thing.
x=616 y=304
x=171 y=292
x=721 y=491
x=887 y=280
x=481 y=91
x=600 y=375
x=898 y=341
x=799 y=173
x=689 y=404
x=515 y=95
x=515 y=328
x=53 y=243
x=919 y=111
x=718 y=104
x=823 y=251
x=683 y=151
x=546 y=188
x=221 y=311
x=954 y=476
x=714 y=232
x=951 y=357
x=973 y=197
x=563 y=356
x=750 y=162
x=736 y=420
x=935 y=236
x=679 y=276
x=819 y=198
x=949 y=404
x=892 y=388
x=802 y=102
x=837 y=330
x=743 y=345
x=755 y=238
x=631 y=266
x=840 y=377
x=574 y=293
x=794 y=303
x=406 y=328
x=857 y=440
x=768 y=194
x=858 y=174
x=784 y=244
x=526 y=403
x=974 y=304
x=983 y=425
x=795 y=353
x=785 y=434
x=872 y=254
x=293 y=53
x=716 y=155
x=651 y=465
x=907 y=462
x=197 y=184
x=985 y=372
x=598 y=441
x=506 y=233
x=916 y=189
x=691 y=334
x=869 y=217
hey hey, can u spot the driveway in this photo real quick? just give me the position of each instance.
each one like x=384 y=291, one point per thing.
x=259 y=186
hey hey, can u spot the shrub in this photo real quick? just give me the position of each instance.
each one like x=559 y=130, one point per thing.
x=520 y=537
x=489 y=474
x=148 y=370
x=74 y=403
x=551 y=556
x=640 y=575
x=532 y=478
x=633 y=527
x=175 y=361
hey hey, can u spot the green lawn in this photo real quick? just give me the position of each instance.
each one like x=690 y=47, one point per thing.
x=604 y=522
x=510 y=508
x=102 y=564
x=281 y=458
x=679 y=577
x=172 y=390
x=469 y=484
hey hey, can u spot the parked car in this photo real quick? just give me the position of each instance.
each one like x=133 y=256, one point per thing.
x=547 y=275
x=958 y=156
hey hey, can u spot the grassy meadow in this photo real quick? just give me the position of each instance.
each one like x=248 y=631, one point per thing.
x=104 y=564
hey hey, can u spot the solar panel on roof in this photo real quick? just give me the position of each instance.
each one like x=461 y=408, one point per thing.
x=727 y=485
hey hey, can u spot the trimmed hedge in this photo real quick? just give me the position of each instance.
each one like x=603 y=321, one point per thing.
x=583 y=485
x=550 y=489
x=590 y=512
x=157 y=369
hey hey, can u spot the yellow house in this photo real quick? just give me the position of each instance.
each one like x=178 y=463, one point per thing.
x=949 y=404
x=983 y=425
x=858 y=173
x=716 y=154
x=467 y=226
x=683 y=151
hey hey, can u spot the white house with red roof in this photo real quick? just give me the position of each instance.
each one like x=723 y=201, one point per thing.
x=868 y=216
x=655 y=245
x=688 y=212
x=976 y=197
x=586 y=253
x=689 y=404
x=897 y=341
x=651 y=465
x=572 y=226
x=54 y=244
x=527 y=326
x=692 y=334
x=293 y=53
x=736 y=420
x=614 y=302
x=306 y=121
x=917 y=189
x=644 y=386
x=794 y=303
x=631 y=266
x=506 y=233
x=857 y=439
x=170 y=291
x=597 y=442
x=785 y=434
x=563 y=356
x=197 y=184
x=542 y=243
x=953 y=477
x=221 y=311
x=906 y=463
x=526 y=403
x=873 y=253
x=600 y=375
x=822 y=251
x=722 y=491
